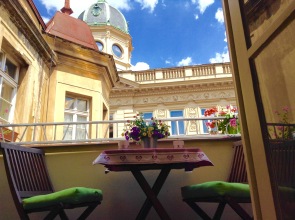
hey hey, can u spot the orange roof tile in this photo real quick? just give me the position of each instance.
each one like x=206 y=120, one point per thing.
x=69 y=28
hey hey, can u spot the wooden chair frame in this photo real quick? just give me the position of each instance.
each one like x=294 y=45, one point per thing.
x=238 y=174
x=28 y=176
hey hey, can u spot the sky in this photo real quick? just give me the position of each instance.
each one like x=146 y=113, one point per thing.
x=165 y=33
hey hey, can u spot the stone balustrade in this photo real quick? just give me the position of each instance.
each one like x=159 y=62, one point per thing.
x=179 y=73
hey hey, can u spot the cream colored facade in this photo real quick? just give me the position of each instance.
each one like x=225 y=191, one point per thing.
x=21 y=41
x=186 y=89
x=109 y=36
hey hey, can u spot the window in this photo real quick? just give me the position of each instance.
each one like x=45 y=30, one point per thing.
x=99 y=45
x=8 y=86
x=76 y=110
x=117 y=50
x=147 y=115
x=111 y=131
x=177 y=127
x=8 y=66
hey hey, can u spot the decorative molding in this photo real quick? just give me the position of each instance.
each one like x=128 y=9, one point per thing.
x=170 y=98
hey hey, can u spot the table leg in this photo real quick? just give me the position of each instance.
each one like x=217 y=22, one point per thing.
x=151 y=193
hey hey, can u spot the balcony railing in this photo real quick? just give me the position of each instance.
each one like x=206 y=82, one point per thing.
x=93 y=131
x=179 y=73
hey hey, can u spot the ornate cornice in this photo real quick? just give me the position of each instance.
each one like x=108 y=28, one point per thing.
x=173 y=94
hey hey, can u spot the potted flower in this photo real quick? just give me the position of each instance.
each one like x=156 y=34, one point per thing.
x=283 y=129
x=228 y=125
x=212 y=126
x=7 y=134
x=139 y=130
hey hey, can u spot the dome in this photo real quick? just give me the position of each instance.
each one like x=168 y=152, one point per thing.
x=101 y=13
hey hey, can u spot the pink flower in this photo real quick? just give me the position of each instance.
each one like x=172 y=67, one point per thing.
x=233 y=122
x=286 y=108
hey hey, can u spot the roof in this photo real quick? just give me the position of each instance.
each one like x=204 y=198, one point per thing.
x=66 y=27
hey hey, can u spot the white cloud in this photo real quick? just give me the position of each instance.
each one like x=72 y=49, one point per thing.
x=45 y=19
x=185 y=62
x=196 y=16
x=225 y=37
x=140 y=66
x=148 y=4
x=219 y=15
x=202 y=5
x=167 y=61
x=79 y=6
x=220 y=57
x=121 y=5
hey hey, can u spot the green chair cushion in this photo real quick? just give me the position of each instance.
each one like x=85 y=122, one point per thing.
x=74 y=195
x=287 y=191
x=214 y=189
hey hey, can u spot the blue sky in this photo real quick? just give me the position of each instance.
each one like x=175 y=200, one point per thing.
x=165 y=33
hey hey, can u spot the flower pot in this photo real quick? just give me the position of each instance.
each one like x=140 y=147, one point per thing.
x=149 y=142
x=213 y=130
x=145 y=142
x=153 y=142
x=231 y=130
x=7 y=135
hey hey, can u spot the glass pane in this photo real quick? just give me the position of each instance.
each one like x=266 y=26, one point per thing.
x=81 y=130
x=205 y=129
x=177 y=127
x=10 y=68
x=6 y=92
x=68 y=129
x=69 y=103
x=275 y=70
x=4 y=109
x=69 y=133
x=117 y=50
x=99 y=45
x=260 y=15
x=176 y=114
x=1 y=60
x=68 y=117
x=81 y=105
x=147 y=115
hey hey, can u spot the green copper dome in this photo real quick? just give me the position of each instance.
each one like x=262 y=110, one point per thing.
x=101 y=13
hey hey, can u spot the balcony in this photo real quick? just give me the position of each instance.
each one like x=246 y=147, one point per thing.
x=70 y=164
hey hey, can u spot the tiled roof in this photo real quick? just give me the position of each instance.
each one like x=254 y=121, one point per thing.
x=64 y=26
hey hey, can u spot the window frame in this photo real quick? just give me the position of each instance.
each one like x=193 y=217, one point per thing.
x=177 y=124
